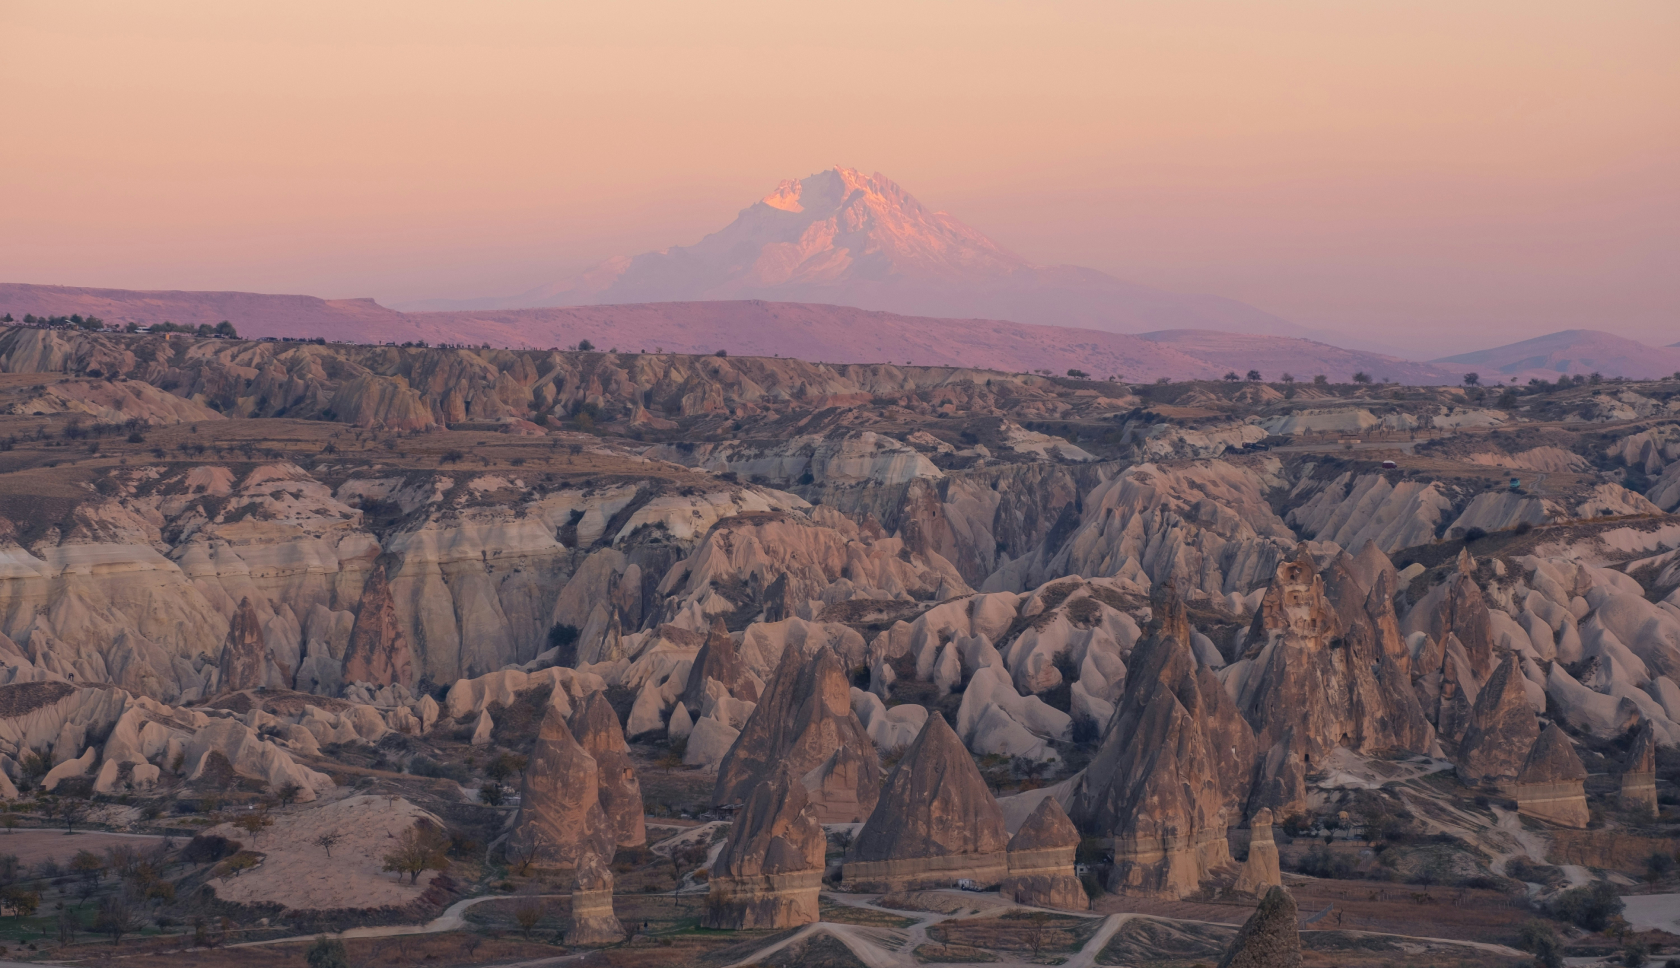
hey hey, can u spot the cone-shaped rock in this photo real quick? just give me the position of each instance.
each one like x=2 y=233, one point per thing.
x=1551 y=786
x=1260 y=872
x=804 y=725
x=717 y=659
x=1502 y=728
x=595 y=726
x=593 y=920
x=1041 y=856
x=1174 y=767
x=936 y=822
x=244 y=660
x=378 y=651
x=1332 y=670
x=1639 y=777
x=1456 y=607
x=1269 y=938
x=560 y=817
x=769 y=873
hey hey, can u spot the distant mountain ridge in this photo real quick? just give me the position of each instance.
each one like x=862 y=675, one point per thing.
x=1570 y=351
x=833 y=334
x=840 y=237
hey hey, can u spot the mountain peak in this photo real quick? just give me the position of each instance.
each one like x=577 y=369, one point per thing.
x=843 y=237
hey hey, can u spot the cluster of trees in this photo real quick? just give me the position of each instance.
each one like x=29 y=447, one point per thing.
x=73 y=321
x=223 y=329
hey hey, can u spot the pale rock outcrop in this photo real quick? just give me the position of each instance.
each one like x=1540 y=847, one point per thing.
x=708 y=743
x=560 y=821
x=593 y=920
x=1269 y=938
x=1353 y=511
x=1174 y=767
x=769 y=873
x=70 y=769
x=936 y=822
x=481 y=734
x=596 y=728
x=802 y=725
x=1503 y=728
x=1551 y=784
x=250 y=755
x=1639 y=775
x=994 y=718
x=718 y=661
x=1041 y=856
x=889 y=728
x=1206 y=525
x=468 y=697
x=1260 y=872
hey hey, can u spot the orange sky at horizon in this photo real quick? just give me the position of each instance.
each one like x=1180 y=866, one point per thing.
x=1428 y=174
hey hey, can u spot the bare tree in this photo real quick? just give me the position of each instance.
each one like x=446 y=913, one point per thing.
x=328 y=841
x=115 y=918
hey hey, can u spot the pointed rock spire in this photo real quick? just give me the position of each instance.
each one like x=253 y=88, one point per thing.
x=378 y=652
x=718 y=659
x=1333 y=671
x=560 y=818
x=1041 y=856
x=1260 y=872
x=769 y=873
x=1639 y=777
x=593 y=920
x=595 y=726
x=244 y=660
x=1551 y=785
x=1174 y=767
x=1269 y=938
x=804 y=724
x=935 y=823
x=1502 y=728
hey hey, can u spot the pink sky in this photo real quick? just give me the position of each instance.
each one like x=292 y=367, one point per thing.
x=1441 y=174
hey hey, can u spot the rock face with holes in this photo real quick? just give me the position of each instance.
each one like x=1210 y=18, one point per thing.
x=1639 y=777
x=1174 y=767
x=804 y=725
x=596 y=728
x=1269 y=938
x=560 y=820
x=935 y=824
x=1041 y=856
x=1260 y=872
x=1551 y=786
x=593 y=920
x=1325 y=667
x=1503 y=728
x=769 y=873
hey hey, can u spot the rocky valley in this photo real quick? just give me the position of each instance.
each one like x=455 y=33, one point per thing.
x=671 y=659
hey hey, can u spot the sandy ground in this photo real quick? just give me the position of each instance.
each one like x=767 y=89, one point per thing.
x=33 y=846
x=1653 y=912
x=298 y=874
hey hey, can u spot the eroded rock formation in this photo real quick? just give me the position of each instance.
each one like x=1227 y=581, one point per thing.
x=1639 y=776
x=1174 y=767
x=593 y=920
x=1551 y=785
x=1325 y=667
x=244 y=659
x=936 y=822
x=1269 y=938
x=804 y=725
x=596 y=728
x=1041 y=856
x=769 y=873
x=560 y=819
x=378 y=651
x=1260 y=872
x=1503 y=728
